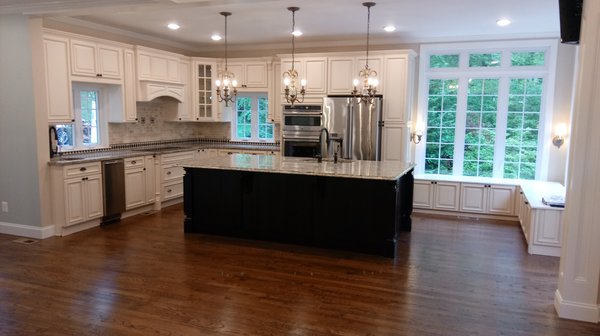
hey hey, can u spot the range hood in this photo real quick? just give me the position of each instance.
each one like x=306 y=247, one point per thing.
x=148 y=90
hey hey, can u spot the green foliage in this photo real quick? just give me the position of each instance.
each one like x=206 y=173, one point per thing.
x=533 y=103
x=487 y=136
x=486 y=153
x=446 y=151
x=474 y=103
x=449 y=119
x=434 y=119
x=446 y=167
x=530 y=138
x=531 y=121
x=434 y=103
x=471 y=152
x=473 y=119
x=447 y=135
x=528 y=154
x=433 y=134
x=511 y=154
x=511 y=170
x=527 y=171
x=514 y=121
x=472 y=136
x=486 y=169
x=470 y=168
x=490 y=103
x=513 y=137
x=451 y=86
x=488 y=120
x=432 y=150
x=443 y=61
x=534 y=58
x=484 y=60
x=449 y=103
x=432 y=166
x=436 y=86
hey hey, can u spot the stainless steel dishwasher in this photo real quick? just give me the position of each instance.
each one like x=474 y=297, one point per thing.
x=113 y=172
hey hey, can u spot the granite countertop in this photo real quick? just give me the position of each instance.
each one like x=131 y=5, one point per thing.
x=66 y=158
x=374 y=170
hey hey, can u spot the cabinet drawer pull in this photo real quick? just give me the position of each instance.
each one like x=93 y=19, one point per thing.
x=133 y=162
x=169 y=172
x=169 y=190
x=82 y=169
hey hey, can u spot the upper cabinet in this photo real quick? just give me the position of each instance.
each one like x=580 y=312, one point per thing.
x=249 y=73
x=313 y=69
x=97 y=60
x=344 y=69
x=58 y=82
x=157 y=65
x=397 y=87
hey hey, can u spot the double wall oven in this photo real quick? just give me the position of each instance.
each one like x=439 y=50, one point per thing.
x=301 y=127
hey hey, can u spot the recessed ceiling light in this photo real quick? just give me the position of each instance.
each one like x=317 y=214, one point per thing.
x=173 y=26
x=216 y=37
x=297 y=33
x=389 y=28
x=503 y=22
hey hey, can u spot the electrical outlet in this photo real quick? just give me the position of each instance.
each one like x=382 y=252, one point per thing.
x=4 y=206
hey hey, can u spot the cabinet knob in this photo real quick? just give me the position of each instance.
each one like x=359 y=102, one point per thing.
x=169 y=172
x=82 y=169
x=98 y=75
x=169 y=190
x=133 y=162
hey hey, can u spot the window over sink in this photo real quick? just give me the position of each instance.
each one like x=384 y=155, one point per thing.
x=89 y=130
x=250 y=118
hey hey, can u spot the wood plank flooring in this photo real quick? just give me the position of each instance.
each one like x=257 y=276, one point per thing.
x=143 y=276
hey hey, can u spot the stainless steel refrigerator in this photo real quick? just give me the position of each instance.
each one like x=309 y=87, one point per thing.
x=354 y=128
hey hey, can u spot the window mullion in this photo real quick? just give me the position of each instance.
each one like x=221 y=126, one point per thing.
x=501 y=119
x=461 y=120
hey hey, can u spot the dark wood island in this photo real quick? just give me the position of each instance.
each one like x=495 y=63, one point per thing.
x=358 y=206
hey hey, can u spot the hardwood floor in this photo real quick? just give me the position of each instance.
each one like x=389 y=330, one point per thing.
x=143 y=276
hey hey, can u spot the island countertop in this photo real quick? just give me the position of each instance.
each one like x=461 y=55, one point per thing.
x=374 y=170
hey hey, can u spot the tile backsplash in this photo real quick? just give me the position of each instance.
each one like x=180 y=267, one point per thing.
x=152 y=125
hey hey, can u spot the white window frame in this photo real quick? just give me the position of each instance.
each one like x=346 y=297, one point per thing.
x=254 y=121
x=504 y=71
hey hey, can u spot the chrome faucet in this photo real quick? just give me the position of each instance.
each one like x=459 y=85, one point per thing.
x=320 y=156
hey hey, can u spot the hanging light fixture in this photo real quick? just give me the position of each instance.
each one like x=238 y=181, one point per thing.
x=226 y=83
x=367 y=76
x=290 y=77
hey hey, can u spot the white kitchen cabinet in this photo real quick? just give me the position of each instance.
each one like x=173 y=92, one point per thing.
x=436 y=195
x=205 y=106
x=157 y=65
x=91 y=59
x=172 y=174
x=276 y=93
x=488 y=199
x=77 y=193
x=341 y=74
x=122 y=98
x=541 y=224
x=57 y=79
x=394 y=142
x=139 y=181
x=185 y=109
x=397 y=87
x=249 y=74
x=313 y=69
x=344 y=69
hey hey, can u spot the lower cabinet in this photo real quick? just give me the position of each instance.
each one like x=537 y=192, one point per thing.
x=541 y=224
x=76 y=196
x=172 y=174
x=436 y=195
x=487 y=198
x=139 y=181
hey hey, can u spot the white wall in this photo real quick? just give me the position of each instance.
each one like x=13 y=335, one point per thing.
x=19 y=180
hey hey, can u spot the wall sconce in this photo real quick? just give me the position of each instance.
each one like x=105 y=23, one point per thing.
x=559 y=135
x=417 y=134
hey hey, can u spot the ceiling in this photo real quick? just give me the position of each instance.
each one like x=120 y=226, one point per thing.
x=267 y=23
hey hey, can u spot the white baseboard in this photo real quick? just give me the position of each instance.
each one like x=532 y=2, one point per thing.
x=470 y=215
x=576 y=310
x=27 y=231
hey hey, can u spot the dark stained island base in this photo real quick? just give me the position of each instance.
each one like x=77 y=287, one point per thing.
x=358 y=206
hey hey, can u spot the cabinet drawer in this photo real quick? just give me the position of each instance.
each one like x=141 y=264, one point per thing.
x=82 y=169
x=172 y=172
x=134 y=162
x=177 y=157
x=172 y=191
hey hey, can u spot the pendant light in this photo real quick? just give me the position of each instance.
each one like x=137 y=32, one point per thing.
x=226 y=83
x=290 y=77
x=367 y=77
